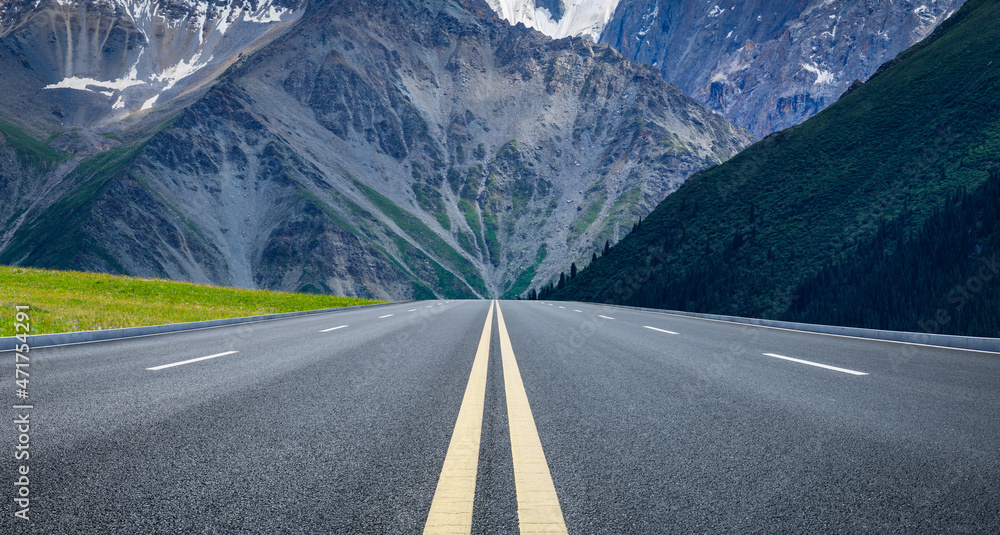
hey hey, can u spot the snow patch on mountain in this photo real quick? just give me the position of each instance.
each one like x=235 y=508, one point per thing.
x=649 y=19
x=583 y=18
x=84 y=83
x=928 y=19
x=822 y=76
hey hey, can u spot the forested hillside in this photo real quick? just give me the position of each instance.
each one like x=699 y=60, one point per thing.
x=944 y=279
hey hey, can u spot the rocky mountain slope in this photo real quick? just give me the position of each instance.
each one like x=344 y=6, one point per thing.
x=871 y=213
x=403 y=149
x=768 y=65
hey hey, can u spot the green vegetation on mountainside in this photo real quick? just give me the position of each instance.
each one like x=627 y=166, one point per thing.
x=419 y=231
x=56 y=238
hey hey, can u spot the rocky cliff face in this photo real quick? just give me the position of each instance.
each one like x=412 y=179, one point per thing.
x=405 y=149
x=96 y=62
x=768 y=65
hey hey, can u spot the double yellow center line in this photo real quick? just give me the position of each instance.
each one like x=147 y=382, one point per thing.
x=538 y=508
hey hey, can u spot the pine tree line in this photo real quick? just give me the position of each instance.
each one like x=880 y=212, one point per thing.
x=546 y=291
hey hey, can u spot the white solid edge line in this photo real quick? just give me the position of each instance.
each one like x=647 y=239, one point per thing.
x=818 y=365
x=131 y=337
x=155 y=368
x=383 y=317
x=661 y=330
x=605 y=317
x=816 y=333
x=333 y=328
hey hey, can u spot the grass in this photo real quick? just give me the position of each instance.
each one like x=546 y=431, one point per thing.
x=473 y=182
x=586 y=218
x=521 y=284
x=523 y=281
x=448 y=285
x=30 y=149
x=623 y=213
x=68 y=301
x=326 y=209
x=468 y=243
x=472 y=218
x=491 y=226
x=431 y=202
x=508 y=150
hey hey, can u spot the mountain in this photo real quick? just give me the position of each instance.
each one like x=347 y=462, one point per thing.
x=395 y=149
x=558 y=18
x=767 y=65
x=99 y=62
x=787 y=227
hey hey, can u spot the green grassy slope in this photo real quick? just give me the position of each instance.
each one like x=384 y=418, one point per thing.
x=741 y=237
x=420 y=232
x=29 y=149
x=67 y=301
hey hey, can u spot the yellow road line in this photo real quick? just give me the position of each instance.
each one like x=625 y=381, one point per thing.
x=538 y=508
x=451 y=508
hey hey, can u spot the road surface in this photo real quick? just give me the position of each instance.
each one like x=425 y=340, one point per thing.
x=553 y=416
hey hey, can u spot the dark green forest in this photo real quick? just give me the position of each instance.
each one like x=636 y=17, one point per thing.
x=944 y=279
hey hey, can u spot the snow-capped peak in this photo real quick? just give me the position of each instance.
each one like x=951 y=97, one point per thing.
x=585 y=18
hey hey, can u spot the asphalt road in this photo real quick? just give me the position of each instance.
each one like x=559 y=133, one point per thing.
x=650 y=423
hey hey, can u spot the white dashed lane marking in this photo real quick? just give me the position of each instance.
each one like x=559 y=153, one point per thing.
x=818 y=365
